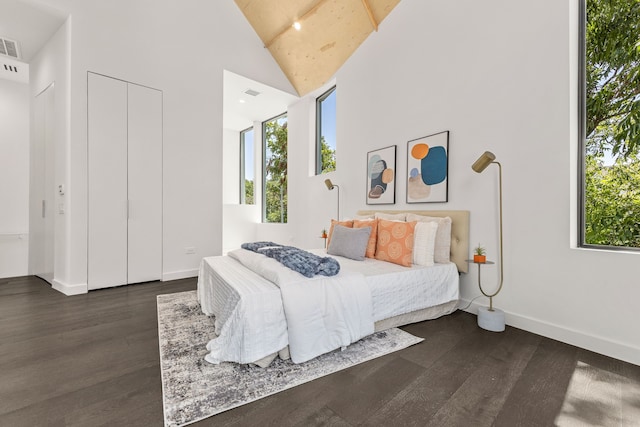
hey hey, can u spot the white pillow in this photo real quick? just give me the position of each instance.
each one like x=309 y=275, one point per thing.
x=424 y=241
x=390 y=217
x=361 y=217
x=443 y=235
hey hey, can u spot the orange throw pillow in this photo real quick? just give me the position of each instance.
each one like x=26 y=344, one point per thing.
x=395 y=242
x=348 y=224
x=373 y=237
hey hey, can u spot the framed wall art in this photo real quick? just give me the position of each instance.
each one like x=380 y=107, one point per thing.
x=381 y=183
x=428 y=169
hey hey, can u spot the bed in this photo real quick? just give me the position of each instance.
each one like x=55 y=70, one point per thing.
x=262 y=309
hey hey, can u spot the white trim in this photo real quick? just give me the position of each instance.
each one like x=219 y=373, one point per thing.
x=608 y=347
x=182 y=274
x=68 y=290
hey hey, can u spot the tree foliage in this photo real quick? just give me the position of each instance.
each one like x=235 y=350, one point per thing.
x=328 y=155
x=613 y=203
x=276 y=170
x=613 y=76
x=248 y=192
x=612 y=68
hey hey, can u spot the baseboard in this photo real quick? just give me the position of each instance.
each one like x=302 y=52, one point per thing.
x=593 y=343
x=69 y=290
x=183 y=274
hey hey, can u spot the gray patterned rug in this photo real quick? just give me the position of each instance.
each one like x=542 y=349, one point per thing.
x=193 y=389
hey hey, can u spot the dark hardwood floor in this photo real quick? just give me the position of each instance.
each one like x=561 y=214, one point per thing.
x=92 y=360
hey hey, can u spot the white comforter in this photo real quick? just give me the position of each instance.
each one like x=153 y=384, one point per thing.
x=250 y=322
x=322 y=313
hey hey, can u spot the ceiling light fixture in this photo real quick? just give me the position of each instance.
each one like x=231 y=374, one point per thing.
x=297 y=25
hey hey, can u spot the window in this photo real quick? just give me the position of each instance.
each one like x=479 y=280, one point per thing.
x=610 y=124
x=326 y=132
x=246 y=167
x=274 y=205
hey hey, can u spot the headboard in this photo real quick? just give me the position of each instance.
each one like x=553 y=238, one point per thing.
x=459 y=232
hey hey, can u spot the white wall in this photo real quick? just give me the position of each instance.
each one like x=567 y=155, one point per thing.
x=487 y=73
x=182 y=49
x=230 y=167
x=14 y=178
x=240 y=221
x=51 y=65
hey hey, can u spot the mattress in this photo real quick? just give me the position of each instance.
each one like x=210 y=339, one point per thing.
x=399 y=290
x=249 y=316
x=250 y=320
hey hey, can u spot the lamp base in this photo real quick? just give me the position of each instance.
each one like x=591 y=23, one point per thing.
x=491 y=320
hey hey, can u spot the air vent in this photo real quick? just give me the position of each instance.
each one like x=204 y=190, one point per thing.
x=252 y=92
x=12 y=68
x=9 y=48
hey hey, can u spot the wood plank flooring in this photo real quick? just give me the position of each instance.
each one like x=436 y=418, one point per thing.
x=92 y=360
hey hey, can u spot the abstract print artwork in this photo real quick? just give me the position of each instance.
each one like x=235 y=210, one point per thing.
x=427 y=167
x=381 y=185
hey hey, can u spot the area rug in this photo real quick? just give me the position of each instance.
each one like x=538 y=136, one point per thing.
x=193 y=389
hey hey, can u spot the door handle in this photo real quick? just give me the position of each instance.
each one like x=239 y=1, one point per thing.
x=43 y=208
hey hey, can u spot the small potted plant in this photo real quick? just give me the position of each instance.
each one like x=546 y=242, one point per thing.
x=479 y=255
x=324 y=233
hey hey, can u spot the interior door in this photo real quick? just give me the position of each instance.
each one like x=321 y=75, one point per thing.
x=145 y=184
x=42 y=187
x=107 y=181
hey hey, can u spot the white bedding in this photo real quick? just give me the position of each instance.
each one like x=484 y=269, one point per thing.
x=398 y=290
x=322 y=313
x=250 y=315
x=250 y=321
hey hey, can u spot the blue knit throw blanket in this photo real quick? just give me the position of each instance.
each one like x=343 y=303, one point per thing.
x=303 y=262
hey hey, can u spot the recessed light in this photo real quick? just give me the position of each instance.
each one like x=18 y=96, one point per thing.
x=242 y=101
x=297 y=25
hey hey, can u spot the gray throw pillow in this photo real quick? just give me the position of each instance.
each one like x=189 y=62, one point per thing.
x=349 y=242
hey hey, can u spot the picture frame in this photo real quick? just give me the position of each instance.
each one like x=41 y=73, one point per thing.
x=381 y=180
x=428 y=169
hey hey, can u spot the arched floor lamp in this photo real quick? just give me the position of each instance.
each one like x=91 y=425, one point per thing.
x=489 y=318
x=331 y=186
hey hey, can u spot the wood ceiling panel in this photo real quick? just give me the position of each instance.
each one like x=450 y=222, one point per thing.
x=270 y=17
x=331 y=31
x=382 y=8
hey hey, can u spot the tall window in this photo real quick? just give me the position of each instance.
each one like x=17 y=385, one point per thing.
x=610 y=125
x=247 y=167
x=274 y=203
x=326 y=132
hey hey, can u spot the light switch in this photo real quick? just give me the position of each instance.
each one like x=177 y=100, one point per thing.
x=61 y=208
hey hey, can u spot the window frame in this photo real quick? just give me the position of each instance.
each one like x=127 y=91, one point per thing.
x=319 y=101
x=264 y=164
x=243 y=175
x=582 y=136
x=582 y=121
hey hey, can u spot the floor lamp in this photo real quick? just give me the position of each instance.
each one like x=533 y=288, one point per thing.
x=331 y=186
x=490 y=318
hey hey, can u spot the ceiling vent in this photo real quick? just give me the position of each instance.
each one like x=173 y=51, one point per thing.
x=11 y=68
x=252 y=92
x=9 y=48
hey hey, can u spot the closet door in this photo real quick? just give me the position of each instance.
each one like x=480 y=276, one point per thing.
x=107 y=183
x=145 y=184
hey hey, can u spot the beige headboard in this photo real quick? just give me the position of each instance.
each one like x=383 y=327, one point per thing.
x=459 y=232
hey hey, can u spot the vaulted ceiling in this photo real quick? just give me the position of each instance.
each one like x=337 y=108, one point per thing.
x=330 y=31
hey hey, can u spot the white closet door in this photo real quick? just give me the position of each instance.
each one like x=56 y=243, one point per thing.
x=107 y=172
x=145 y=184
